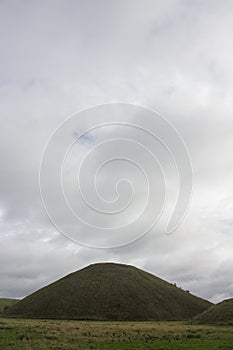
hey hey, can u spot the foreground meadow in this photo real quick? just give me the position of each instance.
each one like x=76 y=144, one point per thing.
x=28 y=334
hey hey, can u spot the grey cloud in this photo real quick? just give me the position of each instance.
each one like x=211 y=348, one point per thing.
x=59 y=57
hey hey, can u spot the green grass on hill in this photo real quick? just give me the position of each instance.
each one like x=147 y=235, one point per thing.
x=109 y=291
x=221 y=313
x=5 y=302
x=24 y=334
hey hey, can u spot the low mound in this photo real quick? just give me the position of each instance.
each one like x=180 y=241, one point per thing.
x=5 y=303
x=221 y=313
x=109 y=291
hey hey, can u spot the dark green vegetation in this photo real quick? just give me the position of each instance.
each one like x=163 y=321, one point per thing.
x=221 y=313
x=110 y=292
x=6 y=303
x=24 y=334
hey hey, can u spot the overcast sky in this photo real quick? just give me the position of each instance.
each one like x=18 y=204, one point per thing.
x=60 y=57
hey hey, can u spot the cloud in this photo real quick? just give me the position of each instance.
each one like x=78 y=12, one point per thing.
x=58 y=58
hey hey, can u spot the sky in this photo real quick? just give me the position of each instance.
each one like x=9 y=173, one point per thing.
x=61 y=58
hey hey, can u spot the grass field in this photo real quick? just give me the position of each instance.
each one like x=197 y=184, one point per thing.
x=16 y=334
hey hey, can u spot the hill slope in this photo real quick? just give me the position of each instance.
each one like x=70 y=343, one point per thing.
x=5 y=302
x=221 y=313
x=109 y=291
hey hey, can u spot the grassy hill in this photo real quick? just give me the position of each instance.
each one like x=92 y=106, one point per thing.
x=5 y=302
x=109 y=291
x=221 y=313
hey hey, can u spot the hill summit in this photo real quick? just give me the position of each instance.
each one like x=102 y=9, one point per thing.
x=222 y=313
x=109 y=291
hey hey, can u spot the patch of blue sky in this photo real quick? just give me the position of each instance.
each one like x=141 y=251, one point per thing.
x=86 y=138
